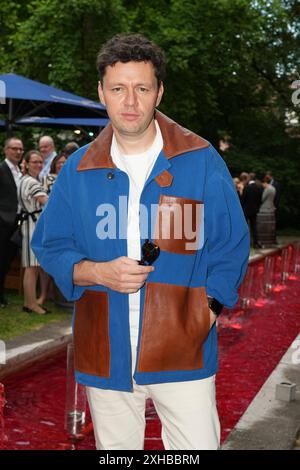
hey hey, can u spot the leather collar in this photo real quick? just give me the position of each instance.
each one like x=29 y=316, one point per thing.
x=177 y=141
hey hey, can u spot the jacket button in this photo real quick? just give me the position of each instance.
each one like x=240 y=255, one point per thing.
x=110 y=176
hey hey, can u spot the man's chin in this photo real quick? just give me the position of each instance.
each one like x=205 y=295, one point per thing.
x=130 y=129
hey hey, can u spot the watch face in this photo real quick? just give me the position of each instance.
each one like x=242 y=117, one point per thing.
x=150 y=253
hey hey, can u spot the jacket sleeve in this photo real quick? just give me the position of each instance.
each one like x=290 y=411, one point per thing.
x=53 y=240
x=226 y=234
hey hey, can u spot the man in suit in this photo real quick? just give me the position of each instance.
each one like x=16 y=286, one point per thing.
x=10 y=176
x=251 y=201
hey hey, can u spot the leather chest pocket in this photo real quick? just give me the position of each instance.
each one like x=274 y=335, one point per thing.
x=91 y=334
x=179 y=224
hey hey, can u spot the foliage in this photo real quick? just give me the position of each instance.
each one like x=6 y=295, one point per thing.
x=58 y=41
x=230 y=67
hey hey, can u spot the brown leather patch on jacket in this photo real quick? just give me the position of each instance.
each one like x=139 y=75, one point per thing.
x=165 y=179
x=176 y=323
x=91 y=334
x=178 y=224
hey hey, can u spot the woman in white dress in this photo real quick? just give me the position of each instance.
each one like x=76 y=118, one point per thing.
x=32 y=197
x=48 y=288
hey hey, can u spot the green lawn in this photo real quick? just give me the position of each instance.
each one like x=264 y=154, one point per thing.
x=14 y=322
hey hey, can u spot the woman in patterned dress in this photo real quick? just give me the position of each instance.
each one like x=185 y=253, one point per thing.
x=32 y=198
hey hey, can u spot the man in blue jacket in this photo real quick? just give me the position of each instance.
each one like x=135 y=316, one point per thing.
x=145 y=331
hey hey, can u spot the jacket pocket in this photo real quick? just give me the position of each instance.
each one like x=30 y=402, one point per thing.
x=91 y=334
x=178 y=224
x=176 y=323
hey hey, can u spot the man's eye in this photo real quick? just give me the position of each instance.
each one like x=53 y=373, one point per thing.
x=117 y=89
x=143 y=89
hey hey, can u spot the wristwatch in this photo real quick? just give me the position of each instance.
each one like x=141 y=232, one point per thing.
x=215 y=305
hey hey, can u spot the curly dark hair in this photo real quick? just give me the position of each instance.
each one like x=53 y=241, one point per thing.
x=131 y=47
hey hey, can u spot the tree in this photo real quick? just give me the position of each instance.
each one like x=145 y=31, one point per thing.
x=230 y=67
x=58 y=42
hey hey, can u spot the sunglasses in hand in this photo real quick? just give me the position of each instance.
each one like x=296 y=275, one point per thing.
x=150 y=252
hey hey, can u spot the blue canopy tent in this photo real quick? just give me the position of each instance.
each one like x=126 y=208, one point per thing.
x=63 y=123
x=21 y=97
x=90 y=127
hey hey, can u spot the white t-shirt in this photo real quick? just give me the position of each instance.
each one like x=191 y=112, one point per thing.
x=138 y=168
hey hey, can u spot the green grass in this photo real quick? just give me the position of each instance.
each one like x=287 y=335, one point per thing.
x=14 y=322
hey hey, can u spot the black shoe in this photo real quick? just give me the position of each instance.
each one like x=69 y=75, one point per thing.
x=29 y=310
x=44 y=308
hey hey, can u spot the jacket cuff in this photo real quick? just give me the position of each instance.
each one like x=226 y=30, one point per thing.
x=64 y=275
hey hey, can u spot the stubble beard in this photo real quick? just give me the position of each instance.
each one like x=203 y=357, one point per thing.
x=134 y=129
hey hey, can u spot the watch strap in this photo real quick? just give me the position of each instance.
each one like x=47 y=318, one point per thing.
x=215 y=305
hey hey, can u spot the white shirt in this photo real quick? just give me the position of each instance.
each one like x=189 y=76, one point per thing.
x=138 y=168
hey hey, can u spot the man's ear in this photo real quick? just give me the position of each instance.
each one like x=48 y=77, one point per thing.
x=101 y=94
x=160 y=94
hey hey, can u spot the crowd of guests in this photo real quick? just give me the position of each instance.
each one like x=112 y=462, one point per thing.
x=25 y=184
x=260 y=202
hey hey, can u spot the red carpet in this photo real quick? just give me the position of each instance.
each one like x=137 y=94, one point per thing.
x=251 y=344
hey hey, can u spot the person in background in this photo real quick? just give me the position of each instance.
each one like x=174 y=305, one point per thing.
x=239 y=187
x=276 y=184
x=266 y=223
x=22 y=166
x=10 y=175
x=47 y=151
x=251 y=201
x=55 y=168
x=32 y=198
x=57 y=163
x=48 y=289
x=70 y=148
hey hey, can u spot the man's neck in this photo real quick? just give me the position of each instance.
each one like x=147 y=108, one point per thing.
x=130 y=145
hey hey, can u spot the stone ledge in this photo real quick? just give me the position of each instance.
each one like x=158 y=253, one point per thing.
x=270 y=424
x=35 y=346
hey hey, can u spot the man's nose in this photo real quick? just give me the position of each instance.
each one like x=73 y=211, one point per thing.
x=130 y=97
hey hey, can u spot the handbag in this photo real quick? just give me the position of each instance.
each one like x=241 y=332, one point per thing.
x=16 y=237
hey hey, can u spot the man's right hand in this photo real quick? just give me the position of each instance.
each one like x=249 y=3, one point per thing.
x=121 y=274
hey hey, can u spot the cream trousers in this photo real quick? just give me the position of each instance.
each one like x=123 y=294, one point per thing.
x=187 y=411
